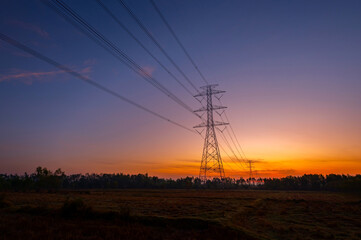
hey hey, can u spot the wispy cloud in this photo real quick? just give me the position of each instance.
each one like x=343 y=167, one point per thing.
x=31 y=27
x=148 y=71
x=86 y=70
x=189 y=160
x=28 y=77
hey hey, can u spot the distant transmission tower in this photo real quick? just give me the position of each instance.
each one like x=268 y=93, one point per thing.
x=250 y=164
x=211 y=165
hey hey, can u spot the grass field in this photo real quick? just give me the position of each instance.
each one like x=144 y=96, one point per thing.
x=180 y=214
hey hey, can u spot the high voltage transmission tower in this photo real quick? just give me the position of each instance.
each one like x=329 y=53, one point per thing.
x=211 y=165
x=251 y=177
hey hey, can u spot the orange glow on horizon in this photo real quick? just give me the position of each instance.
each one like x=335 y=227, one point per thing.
x=262 y=168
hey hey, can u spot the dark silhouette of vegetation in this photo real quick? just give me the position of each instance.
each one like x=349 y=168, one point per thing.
x=44 y=179
x=75 y=207
x=41 y=179
x=314 y=182
x=3 y=202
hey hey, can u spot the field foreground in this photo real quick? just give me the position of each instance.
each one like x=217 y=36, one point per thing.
x=180 y=214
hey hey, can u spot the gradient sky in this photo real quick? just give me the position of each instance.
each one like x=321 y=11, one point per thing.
x=291 y=69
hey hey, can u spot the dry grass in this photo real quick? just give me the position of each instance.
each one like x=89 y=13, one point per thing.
x=180 y=214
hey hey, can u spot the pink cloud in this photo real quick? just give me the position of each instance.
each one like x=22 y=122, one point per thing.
x=148 y=71
x=31 y=27
x=86 y=70
x=28 y=77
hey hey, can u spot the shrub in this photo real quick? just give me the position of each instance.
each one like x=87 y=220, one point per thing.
x=75 y=207
x=124 y=212
x=3 y=202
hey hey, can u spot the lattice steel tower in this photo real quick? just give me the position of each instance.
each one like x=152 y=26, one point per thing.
x=211 y=165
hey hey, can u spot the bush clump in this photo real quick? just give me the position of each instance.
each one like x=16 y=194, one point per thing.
x=3 y=202
x=124 y=212
x=75 y=207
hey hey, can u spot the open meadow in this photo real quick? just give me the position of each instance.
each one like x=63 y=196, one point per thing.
x=180 y=214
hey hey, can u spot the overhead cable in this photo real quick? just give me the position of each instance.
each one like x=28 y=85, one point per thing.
x=122 y=25
x=86 y=79
x=177 y=39
x=71 y=16
x=150 y=35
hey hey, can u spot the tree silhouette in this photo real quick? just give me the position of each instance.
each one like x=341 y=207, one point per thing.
x=44 y=179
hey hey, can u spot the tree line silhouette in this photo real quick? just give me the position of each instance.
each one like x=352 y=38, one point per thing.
x=44 y=179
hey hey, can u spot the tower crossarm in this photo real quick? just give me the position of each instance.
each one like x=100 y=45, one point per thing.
x=215 y=123
x=212 y=92
x=203 y=109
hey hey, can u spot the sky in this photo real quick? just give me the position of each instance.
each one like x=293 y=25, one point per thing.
x=290 y=69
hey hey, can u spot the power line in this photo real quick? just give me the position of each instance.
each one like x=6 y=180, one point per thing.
x=229 y=166
x=245 y=159
x=234 y=134
x=145 y=29
x=178 y=41
x=85 y=79
x=222 y=148
x=229 y=134
x=130 y=62
x=249 y=162
x=107 y=10
x=71 y=16
x=230 y=147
